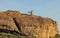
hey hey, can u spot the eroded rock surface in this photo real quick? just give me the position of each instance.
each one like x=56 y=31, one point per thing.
x=30 y=25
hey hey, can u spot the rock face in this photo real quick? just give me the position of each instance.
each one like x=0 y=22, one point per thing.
x=29 y=25
x=7 y=23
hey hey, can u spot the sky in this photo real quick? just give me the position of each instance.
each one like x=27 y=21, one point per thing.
x=44 y=8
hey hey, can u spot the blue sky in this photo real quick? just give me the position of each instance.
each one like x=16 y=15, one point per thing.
x=44 y=8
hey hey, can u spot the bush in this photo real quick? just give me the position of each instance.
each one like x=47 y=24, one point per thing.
x=57 y=36
x=14 y=35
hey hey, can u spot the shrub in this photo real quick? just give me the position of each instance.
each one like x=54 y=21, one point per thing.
x=57 y=36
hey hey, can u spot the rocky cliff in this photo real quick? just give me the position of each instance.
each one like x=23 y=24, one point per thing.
x=29 y=25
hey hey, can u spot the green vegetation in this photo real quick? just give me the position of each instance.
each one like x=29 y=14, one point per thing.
x=57 y=36
x=8 y=35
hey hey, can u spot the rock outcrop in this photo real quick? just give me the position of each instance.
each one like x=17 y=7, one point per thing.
x=7 y=23
x=29 y=25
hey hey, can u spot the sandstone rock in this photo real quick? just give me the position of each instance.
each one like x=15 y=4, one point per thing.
x=7 y=22
x=37 y=26
x=51 y=27
x=30 y=25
